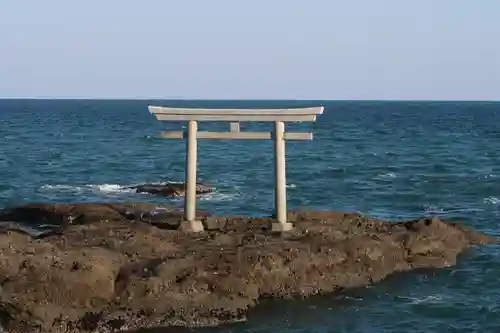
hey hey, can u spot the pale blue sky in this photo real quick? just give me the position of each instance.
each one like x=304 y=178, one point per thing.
x=273 y=49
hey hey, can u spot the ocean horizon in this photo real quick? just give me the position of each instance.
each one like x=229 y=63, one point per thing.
x=183 y=99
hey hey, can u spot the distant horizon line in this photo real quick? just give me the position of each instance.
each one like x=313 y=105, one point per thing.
x=241 y=99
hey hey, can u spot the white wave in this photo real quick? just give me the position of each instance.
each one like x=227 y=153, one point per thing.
x=291 y=186
x=218 y=196
x=386 y=176
x=105 y=188
x=492 y=200
x=427 y=299
x=433 y=209
x=62 y=188
x=111 y=188
x=211 y=197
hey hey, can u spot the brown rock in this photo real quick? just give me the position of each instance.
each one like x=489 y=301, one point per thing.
x=113 y=265
x=170 y=189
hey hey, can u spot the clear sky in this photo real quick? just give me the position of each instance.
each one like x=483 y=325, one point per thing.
x=259 y=49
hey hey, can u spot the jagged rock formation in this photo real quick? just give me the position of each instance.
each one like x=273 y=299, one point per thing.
x=124 y=265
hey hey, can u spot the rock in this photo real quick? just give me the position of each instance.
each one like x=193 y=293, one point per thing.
x=111 y=267
x=169 y=189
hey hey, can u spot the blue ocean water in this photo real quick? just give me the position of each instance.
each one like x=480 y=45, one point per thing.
x=392 y=160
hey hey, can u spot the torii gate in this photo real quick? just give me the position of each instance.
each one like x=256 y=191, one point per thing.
x=235 y=116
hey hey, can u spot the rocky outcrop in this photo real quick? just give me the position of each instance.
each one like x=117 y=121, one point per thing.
x=111 y=266
x=169 y=189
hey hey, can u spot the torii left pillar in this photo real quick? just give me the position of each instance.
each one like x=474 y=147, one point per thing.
x=190 y=223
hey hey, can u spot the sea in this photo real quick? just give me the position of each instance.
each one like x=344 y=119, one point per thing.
x=393 y=160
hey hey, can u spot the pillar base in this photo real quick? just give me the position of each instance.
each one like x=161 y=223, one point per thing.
x=281 y=227
x=191 y=226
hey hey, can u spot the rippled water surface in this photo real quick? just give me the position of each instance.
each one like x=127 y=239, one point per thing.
x=392 y=160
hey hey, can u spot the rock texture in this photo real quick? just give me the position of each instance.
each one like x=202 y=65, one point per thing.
x=170 y=189
x=117 y=266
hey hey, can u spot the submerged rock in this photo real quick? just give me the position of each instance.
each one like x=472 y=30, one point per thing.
x=170 y=189
x=111 y=267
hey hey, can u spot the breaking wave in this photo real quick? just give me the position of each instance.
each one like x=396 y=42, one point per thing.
x=104 y=188
x=117 y=189
x=492 y=200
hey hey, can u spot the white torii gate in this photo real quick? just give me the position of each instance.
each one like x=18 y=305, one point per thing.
x=235 y=116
